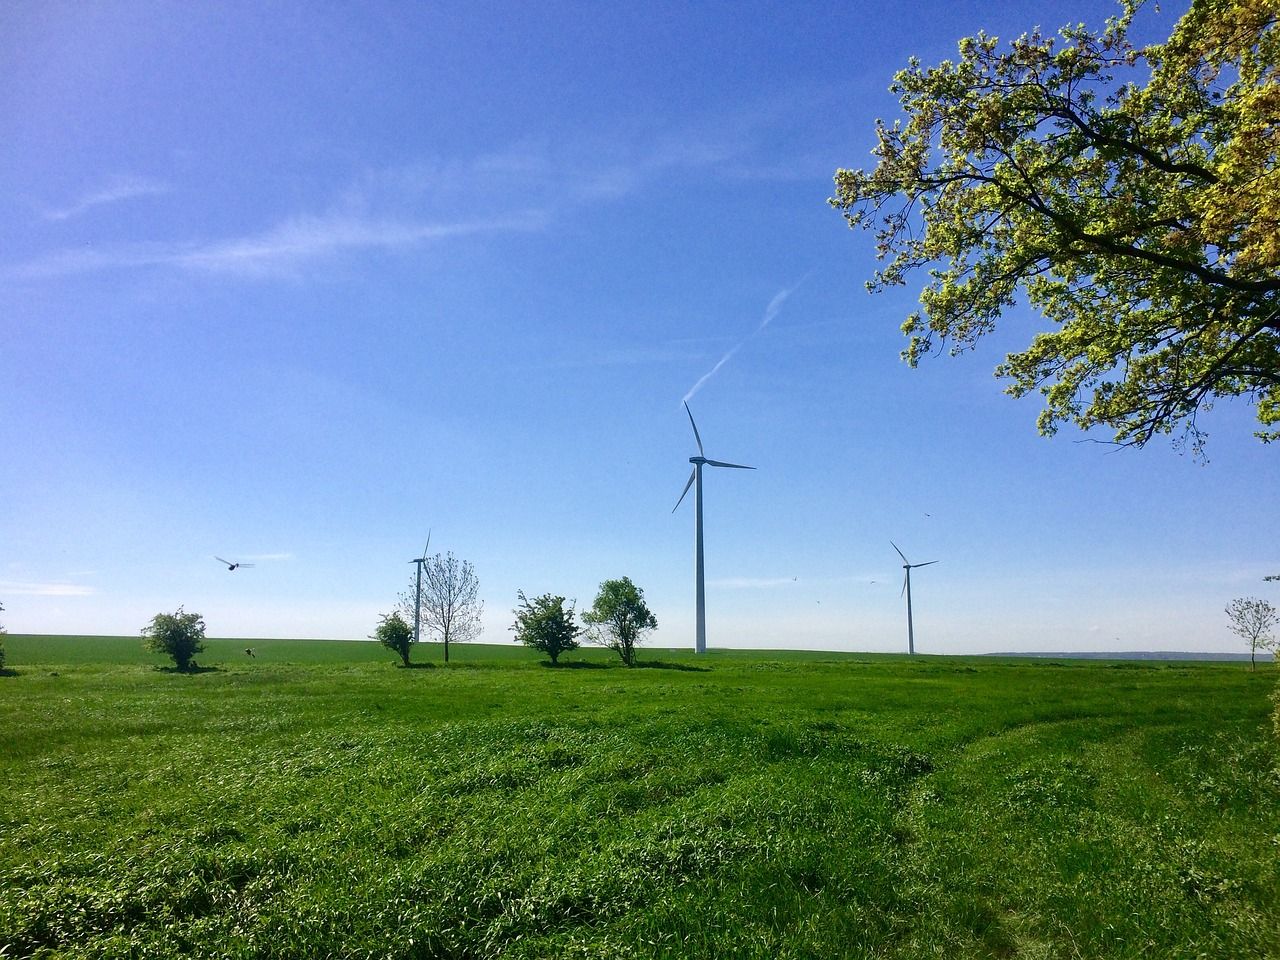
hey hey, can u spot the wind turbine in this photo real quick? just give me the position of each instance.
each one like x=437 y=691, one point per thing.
x=232 y=566
x=417 y=601
x=906 y=588
x=695 y=480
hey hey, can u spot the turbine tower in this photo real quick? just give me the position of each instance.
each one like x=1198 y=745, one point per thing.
x=417 y=600
x=906 y=588
x=695 y=481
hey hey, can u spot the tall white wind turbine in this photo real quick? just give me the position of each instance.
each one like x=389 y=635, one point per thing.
x=417 y=600
x=907 y=565
x=695 y=481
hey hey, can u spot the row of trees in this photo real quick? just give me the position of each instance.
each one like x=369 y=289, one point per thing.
x=618 y=619
x=450 y=609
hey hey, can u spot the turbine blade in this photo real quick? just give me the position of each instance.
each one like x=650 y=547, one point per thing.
x=220 y=560
x=900 y=553
x=721 y=463
x=685 y=490
x=244 y=564
x=905 y=581
x=428 y=546
x=925 y=564
x=696 y=436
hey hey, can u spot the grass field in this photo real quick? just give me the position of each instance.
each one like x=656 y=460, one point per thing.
x=316 y=800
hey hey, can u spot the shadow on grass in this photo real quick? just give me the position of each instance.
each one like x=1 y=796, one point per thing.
x=618 y=665
x=190 y=671
x=6 y=672
x=663 y=665
x=415 y=666
x=573 y=665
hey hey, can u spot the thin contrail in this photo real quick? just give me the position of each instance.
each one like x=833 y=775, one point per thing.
x=770 y=311
x=711 y=373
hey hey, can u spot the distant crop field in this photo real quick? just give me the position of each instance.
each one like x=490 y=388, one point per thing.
x=315 y=800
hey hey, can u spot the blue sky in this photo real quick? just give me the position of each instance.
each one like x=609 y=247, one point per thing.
x=293 y=284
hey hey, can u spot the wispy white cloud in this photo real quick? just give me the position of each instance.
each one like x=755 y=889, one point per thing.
x=22 y=588
x=115 y=190
x=282 y=249
x=773 y=308
x=307 y=238
x=381 y=210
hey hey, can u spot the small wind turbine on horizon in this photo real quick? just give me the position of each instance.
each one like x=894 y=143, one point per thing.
x=695 y=481
x=230 y=565
x=907 y=565
x=417 y=600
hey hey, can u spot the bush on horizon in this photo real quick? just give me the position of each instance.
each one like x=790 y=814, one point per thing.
x=178 y=635
x=395 y=634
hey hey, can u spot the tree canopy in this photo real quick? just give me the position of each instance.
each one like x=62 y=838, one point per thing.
x=619 y=618
x=1129 y=193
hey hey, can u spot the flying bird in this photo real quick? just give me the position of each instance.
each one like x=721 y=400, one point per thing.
x=230 y=565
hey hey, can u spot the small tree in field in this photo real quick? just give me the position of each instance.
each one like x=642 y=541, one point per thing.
x=1253 y=620
x=619 y=618
x=451 y=608
x=179 y=635
x=395 y=634
x=544 y=623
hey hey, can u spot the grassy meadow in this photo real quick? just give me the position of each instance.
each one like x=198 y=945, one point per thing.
x=317 y=800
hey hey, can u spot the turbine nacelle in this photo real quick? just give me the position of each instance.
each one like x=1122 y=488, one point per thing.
x=423 y=558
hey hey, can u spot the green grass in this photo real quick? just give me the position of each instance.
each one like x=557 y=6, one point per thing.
x=316 y=800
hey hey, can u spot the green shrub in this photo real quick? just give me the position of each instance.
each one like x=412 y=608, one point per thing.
x=544 y=623
x=179 y=635
x=395 y=634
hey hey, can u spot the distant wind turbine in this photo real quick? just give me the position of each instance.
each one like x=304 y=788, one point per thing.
x=417 y=602
x=230 y=565
x=695 y=480
x=907 y=565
